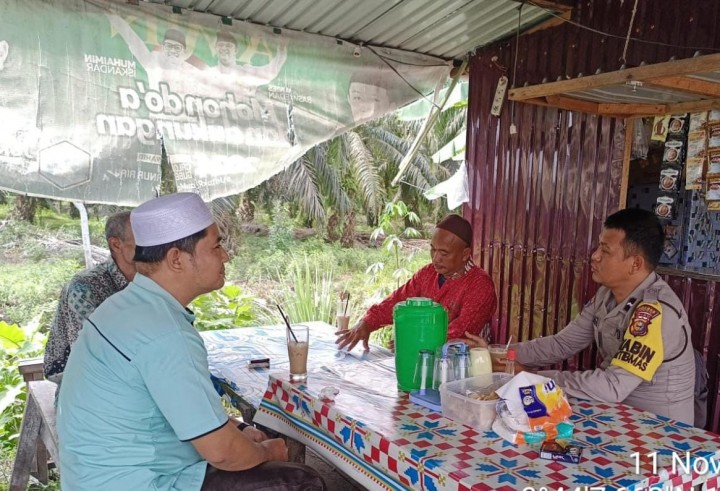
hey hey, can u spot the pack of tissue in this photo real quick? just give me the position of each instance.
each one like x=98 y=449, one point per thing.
x=533 y=409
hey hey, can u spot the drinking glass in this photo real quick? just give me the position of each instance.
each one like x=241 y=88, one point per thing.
x=480 y=362
x=424 y=367
x=343 y=316
x=498 y=354
x=445 y=369
x=462 y=365
x=297 y=344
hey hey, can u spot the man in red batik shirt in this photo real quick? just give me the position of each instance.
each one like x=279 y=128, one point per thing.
x=466 y=291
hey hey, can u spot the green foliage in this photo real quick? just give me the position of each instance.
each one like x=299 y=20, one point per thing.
x=16 y=343
x=281 y=230
x=382 y=336
x=392 y=227
x=269 y=273
x=222 y=309
x=311 y=296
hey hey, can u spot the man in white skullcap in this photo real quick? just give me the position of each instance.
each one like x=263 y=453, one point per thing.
x=137 y=409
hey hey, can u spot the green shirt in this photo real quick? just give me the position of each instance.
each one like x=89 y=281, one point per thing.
x=135 y=391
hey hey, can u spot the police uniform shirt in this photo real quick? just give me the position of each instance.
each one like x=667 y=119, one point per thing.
x=645 y=349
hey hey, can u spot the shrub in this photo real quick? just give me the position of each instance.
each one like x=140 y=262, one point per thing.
x=16 y=343
x=226 y=308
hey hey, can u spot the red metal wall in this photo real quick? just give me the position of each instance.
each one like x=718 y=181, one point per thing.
x=702 y=303
x=538 y=198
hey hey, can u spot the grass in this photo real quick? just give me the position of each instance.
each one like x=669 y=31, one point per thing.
x=275 y=274
x=310 y=294
x=29 y=290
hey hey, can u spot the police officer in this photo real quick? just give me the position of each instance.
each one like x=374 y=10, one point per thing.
x=639 y=324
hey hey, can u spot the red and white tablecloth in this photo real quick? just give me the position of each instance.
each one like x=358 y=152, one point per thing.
x=377 y=436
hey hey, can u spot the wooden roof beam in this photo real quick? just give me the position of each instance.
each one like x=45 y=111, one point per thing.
x=687 y=84
x=601 y=109
x=632 y=110
x=605 y=109
x=550 y=23
x=572 y=104
x=564 y=103
x=563 y=9
x=698 y=64
x=693 y=106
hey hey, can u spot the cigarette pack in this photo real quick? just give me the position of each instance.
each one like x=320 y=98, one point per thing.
x=260 y=363
x=561 y=451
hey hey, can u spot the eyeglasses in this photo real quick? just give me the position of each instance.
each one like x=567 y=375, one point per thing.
x=173 y=48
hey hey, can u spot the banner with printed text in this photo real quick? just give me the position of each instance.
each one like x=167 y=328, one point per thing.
x=90 y=89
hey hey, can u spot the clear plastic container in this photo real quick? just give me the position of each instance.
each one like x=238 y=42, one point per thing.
x=462 y=401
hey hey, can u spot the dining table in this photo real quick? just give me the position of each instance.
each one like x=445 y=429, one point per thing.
x=351 y=413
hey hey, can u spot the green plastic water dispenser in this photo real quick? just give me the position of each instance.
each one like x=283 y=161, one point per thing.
x=420 y=324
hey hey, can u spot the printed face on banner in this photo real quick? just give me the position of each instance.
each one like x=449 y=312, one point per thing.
x=227 y=53
x=367 y=100
x=173 y=49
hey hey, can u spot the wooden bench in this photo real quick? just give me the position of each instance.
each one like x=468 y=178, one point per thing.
x=37 y=434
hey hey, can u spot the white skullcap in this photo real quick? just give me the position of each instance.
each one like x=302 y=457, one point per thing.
x=169 y=218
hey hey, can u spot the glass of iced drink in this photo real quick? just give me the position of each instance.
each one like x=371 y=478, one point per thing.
x=343 y=315
x=498 y=355
x=297 y=344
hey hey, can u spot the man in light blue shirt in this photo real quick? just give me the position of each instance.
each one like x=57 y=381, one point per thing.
x=137 y=409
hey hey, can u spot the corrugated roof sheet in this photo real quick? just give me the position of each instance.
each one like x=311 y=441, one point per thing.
x=448 y=29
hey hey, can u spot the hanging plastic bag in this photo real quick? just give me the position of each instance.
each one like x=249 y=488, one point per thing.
x=640 y=140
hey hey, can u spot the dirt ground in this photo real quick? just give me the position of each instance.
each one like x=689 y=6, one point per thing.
x=334 y=480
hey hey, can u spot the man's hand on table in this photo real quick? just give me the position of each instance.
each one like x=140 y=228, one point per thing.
x=254 y=434
x=351 y=337
x=275 y=449
x=519 y=367
x=250 y=431
x=473 y=341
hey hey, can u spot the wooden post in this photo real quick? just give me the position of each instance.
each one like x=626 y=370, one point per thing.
x=85 y=229
x=32 y=369
x=29 y=436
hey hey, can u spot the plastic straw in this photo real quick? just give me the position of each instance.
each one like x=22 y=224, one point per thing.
x=508 y=345
x=287 y=322
x=347 y=302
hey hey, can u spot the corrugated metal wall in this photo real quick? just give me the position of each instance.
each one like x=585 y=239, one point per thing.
x=538 y=198
x=702 y=303
x=538 y=209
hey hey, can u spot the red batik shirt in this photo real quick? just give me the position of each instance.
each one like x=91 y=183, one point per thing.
x=470 y=300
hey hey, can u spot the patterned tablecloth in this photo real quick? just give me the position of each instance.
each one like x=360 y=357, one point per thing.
x=375 y=434
x=230 y=350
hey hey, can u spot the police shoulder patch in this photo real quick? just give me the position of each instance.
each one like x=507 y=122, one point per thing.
x=641 y=319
